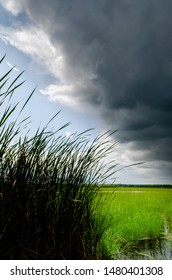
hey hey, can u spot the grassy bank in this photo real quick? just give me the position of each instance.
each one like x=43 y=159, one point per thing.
x=136 y=214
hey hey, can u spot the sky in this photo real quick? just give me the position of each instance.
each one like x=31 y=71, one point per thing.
x=107 y=65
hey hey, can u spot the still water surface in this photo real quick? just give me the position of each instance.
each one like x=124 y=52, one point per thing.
x=152 y=249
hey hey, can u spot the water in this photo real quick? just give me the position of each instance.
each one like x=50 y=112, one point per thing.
x=151 y=248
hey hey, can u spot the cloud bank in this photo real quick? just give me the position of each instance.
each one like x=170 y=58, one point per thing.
x=110 y=56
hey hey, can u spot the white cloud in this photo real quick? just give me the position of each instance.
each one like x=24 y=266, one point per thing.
x=35 y=43
x=4 y=39
x=63 y=94
x=71 y=83
x=13 y=6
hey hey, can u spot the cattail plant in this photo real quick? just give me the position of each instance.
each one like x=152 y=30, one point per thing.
x=48 y=187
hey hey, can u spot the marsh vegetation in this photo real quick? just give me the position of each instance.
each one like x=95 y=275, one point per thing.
x=140 y=222
x=47 y=186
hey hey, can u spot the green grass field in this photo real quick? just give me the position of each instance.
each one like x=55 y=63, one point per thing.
x=134 y=214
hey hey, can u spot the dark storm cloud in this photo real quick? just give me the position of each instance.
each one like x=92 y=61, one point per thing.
x=127 y=44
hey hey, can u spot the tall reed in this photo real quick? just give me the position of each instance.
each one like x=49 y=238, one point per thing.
x=48 y=183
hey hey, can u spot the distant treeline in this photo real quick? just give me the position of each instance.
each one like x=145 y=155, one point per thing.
x=166 y=186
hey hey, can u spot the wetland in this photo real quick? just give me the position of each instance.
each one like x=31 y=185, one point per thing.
x=139 y=222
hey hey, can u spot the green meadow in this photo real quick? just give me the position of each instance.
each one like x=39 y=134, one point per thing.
x=135 y=214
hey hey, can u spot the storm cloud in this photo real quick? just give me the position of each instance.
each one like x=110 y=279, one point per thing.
x=117 y=57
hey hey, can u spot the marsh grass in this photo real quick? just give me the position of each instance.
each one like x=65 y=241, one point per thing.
x=137 y=215
x=48 y=183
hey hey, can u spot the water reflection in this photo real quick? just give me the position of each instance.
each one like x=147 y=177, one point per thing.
x=156 y=249
x=159 y=248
